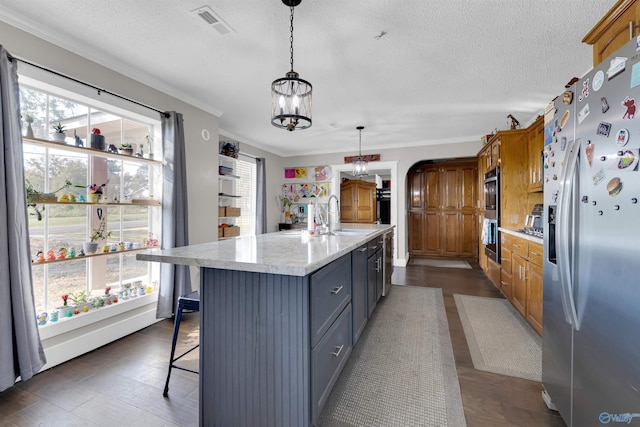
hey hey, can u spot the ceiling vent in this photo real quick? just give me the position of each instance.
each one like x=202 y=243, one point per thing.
x=211 y=18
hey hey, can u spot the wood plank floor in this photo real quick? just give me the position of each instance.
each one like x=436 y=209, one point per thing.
x=121 y=383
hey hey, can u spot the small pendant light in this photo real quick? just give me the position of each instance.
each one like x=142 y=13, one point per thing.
x=291 y=95
x=360 y=165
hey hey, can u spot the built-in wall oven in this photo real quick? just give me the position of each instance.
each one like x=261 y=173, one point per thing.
x=491 y=214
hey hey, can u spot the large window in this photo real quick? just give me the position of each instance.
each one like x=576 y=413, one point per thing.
x=246 y=189
x=61 y=174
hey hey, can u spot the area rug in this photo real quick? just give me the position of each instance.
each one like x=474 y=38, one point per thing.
x=499 y=339
x=442 y=263
x=402 y=371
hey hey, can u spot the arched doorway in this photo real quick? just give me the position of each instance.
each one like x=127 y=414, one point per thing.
x=443 y=216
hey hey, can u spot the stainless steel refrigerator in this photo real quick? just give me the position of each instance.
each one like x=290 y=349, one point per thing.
x=591 y=320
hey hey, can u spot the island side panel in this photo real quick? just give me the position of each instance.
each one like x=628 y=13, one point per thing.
x=255 y=349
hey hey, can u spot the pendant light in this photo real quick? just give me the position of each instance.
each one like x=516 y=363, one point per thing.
x=360 y=165
x=291 y=96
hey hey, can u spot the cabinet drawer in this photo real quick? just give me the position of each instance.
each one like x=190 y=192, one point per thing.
x=520 y=247
x=328 y=359
x=374 y=245
x=535 y=253
x=330 y=293
x=505 y=260
x=506 y=241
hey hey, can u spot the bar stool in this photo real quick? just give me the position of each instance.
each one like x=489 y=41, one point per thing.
x=188 y=303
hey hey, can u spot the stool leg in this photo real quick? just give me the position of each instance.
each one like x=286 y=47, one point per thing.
x=176 y=328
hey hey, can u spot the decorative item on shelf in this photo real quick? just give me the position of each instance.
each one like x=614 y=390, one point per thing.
x=99 y=233
x=58 y=134
x=76 y=140
x=39 y=257
x=360 y=165
x=72 y=198
x=150 y=241
x=62 y=253
x=34 y=197
x=65 y=310
x=71 y=253
x=140 y=152
x=42 y=318
x=51 y=256
x=95 y=192
x=28 y=120
x=230 y=148
x=97 y=140
x=126 y=149
x=150 y=144
x=55 y=315
x=64 y=198
x=111 y=148
x=290 y=95
x=80 y=302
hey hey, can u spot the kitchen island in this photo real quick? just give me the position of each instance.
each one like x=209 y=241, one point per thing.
x=276 y=319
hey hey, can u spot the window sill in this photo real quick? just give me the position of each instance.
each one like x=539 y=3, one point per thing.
x=68 y=324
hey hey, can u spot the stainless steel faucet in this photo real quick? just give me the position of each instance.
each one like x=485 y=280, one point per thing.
x=334 y=216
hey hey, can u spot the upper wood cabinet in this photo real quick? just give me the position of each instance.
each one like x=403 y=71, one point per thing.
x=358 y=201
x=615 y=28
x=536 y=145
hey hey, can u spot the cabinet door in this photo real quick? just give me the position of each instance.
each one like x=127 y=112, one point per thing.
x=519 y=284
x=359 y=294
x=468 y=186
x=495 y=154
x=451 y=187
x=371 y=284
x=431 y=235
x=451 y=236
x=416 y=190
x=506 y=277
x=431 y=182
x=536 y=145
x=379 y=274
x=366 y=203
x=417 y=226
x=468 y=242
x=347 y=203
x=534 y=297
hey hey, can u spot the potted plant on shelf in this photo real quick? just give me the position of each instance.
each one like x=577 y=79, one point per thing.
x=97 y=140
x=95 y=192
x=65 y=310
x=80 y=301
x=99 y=233
x=58 y=134
x=126 y=149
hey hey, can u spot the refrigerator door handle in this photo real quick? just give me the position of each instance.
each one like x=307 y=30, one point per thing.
x=565 y=234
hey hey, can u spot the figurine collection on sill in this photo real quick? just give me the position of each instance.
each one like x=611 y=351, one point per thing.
x=75 y=304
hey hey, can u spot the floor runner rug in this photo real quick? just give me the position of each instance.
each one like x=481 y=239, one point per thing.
x=499 y=339
x=402 y=371
x=441 y=263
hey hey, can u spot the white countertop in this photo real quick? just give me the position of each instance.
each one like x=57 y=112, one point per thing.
x=288 y=252
x=522 y=235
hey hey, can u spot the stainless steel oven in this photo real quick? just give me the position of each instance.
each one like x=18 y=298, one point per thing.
x=490 y=237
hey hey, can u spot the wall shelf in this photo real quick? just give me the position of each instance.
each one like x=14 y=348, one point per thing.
x=87 y=150
x=97 y=254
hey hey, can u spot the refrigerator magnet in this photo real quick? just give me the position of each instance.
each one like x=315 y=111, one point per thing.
x=622 y=137
x=583 y=114
x=585 y=90
x=567 y=97
x=564 y=119
x=630 y=104
x=605 y=104
x=597 y=81
x=614 y=186
x=599 y=177
x=604 y=129
x=616 y=66
x=588 y=150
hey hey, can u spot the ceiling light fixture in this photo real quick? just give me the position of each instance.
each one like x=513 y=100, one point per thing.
x=291 y=96
x=360 y=165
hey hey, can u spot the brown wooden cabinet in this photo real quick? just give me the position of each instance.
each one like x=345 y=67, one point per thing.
x=358 y=202
x=612 y=31
x=442 y=210
x=536 y=145
x=521 y=277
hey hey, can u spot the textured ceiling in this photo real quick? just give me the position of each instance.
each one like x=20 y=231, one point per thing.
x=444 y=72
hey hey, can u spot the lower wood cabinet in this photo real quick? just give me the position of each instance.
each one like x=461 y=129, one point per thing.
x=521 y=277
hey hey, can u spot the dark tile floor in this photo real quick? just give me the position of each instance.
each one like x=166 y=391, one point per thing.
x=121 y=383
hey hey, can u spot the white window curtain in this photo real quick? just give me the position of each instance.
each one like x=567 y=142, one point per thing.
x=21 y=353
x=174 y=279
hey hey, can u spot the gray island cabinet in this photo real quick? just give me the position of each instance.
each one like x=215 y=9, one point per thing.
x=276 y=321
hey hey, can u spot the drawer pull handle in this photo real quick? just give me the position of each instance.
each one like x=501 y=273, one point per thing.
x=374 y=247
x=336 y=290
x=362 y=250
x=535 y=253
x=338 y=350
